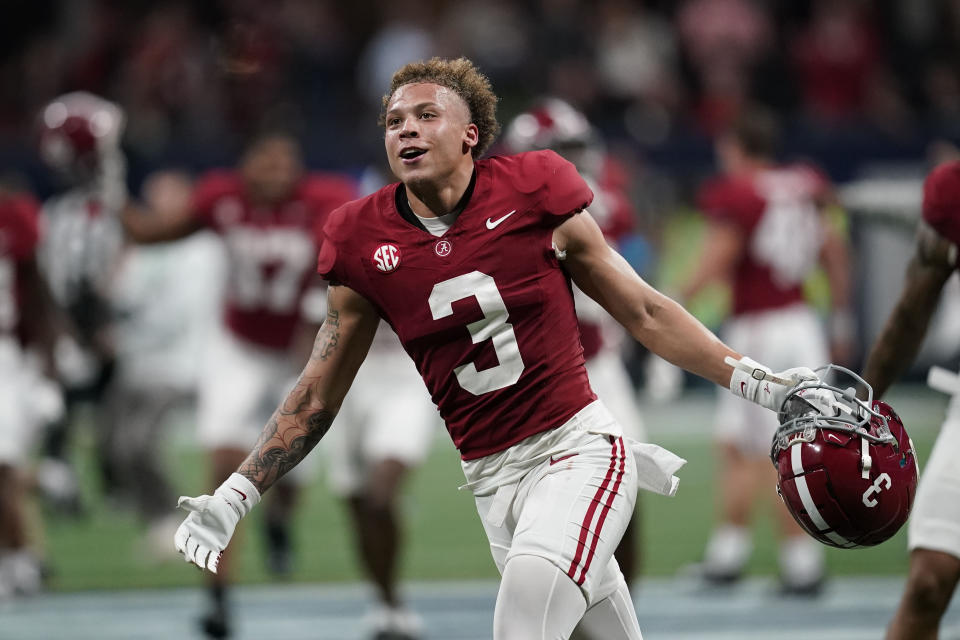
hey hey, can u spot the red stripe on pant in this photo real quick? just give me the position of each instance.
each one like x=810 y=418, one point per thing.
x=605 y=511
x=588 y=518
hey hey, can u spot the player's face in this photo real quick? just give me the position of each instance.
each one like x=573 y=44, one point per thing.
x=272 y=168
x=428 y=135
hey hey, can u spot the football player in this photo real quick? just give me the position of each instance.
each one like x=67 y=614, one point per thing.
x=267 y=213
x=27 y=311
x=486 y=312
x=766 y=232
x=166 y=302
x=554 y=124
x=933 y=531
x=79 y=140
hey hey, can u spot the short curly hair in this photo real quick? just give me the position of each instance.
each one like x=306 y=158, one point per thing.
x=464 y=79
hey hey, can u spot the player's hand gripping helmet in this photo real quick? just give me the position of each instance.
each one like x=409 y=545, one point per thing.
x=79 y=133
x=848 y=478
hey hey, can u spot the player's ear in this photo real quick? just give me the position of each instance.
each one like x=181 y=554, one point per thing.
x=471 y=137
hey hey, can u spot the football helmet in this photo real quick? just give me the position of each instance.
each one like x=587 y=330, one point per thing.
x=554 y=124
x=77 y=132
x=847 y=472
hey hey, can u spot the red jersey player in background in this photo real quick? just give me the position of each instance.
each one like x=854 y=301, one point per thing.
x=766 y=233
x=486 y=312
x=933 y=533
x=267 y=213
x=554 y=124
x=26 y=310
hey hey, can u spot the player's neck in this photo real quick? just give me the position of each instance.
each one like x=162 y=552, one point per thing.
x=437 y=198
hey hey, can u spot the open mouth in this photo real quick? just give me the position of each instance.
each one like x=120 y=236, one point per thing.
x=412 y=153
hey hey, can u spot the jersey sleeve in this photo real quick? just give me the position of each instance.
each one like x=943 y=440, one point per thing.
x=941 y=201
x=20 y=215
x=210 y=188
x=329 y=256
x=565 y=190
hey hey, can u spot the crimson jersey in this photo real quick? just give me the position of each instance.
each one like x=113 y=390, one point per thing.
x=271 y=250
x=778 y=213
x=484 y=310
x=19 y=237
x=941 y=201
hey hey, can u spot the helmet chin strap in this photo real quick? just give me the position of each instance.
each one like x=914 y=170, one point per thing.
x=865 y=461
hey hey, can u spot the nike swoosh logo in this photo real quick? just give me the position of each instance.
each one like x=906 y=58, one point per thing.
x=243 y=496
x=743 y=389
x=554 y=461
x=492 y=224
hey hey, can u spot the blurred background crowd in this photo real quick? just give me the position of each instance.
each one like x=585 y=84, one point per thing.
x=865 y=90
x=856 y=82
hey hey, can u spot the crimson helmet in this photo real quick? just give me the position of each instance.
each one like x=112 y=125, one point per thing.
x=554 y=124
x=76 y=131
x=848 y=479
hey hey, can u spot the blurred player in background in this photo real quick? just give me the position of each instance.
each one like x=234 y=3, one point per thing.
x=486 y=311
x=80 y=141
x=389 y=424
x=165 y=301
x=766 y=233
x=267 y=212
x=27 y=396
x=933 y=532
x=554 y=124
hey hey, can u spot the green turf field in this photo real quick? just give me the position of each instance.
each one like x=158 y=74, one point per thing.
x=443 y=531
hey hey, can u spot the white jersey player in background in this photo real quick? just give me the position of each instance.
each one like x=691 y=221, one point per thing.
x=165 y=301
x=80 y=141
x=766 y=234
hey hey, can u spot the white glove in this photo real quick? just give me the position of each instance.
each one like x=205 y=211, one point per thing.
x=759 y=384
x=204 y=535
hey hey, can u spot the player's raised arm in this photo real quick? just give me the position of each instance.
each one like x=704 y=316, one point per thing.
x=934 y=259
x=655 y=320
x=166 y=212
x=718 y=258
x=292 y=432
x=835 y=260
x=658 y=322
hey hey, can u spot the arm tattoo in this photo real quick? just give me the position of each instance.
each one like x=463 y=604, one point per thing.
x=328 y=338
x=298 y=424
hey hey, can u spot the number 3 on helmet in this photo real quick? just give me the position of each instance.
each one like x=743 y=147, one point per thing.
x=848 y=479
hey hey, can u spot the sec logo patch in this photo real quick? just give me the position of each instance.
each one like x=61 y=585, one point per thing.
x=387 y=257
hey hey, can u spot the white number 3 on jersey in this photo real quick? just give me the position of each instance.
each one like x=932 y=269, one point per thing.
x=493 y=326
